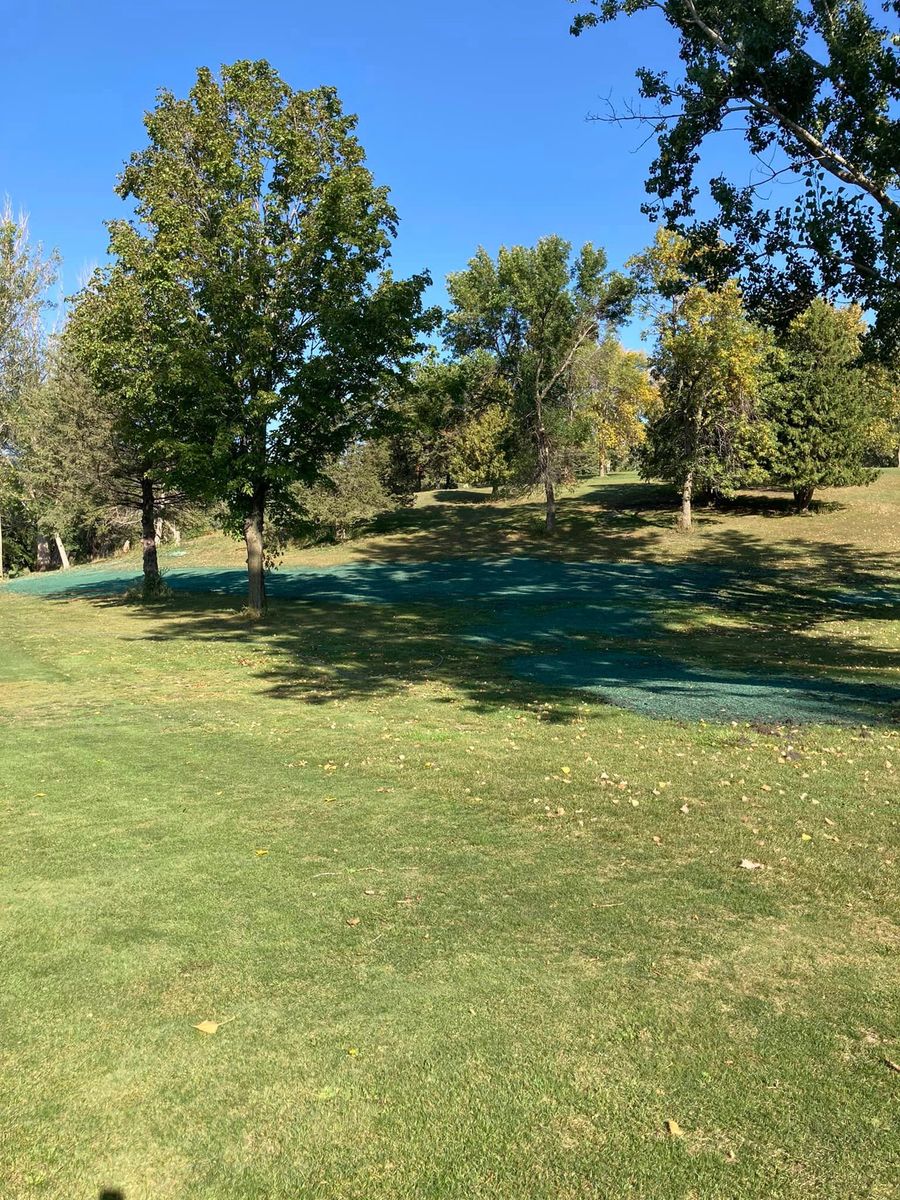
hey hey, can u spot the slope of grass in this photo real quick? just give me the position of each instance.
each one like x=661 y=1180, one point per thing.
x=468 y=936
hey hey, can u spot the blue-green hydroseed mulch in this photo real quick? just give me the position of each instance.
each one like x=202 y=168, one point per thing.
x=561 y=610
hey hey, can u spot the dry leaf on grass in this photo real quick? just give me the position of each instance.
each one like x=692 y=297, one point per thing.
x=673 y=1129
x=353 y=920
x=749 y=865
x=210 y=1027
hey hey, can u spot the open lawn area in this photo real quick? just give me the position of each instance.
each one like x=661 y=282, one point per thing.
x=508 y=865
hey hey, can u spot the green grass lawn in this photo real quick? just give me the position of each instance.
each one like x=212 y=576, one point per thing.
x=467 y=936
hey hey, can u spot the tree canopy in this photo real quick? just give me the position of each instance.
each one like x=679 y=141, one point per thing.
x=254 y=199
x=533 y=309
x=814 y=87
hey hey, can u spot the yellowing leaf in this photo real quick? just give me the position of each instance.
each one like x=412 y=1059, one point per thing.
x=673 y=1129
x=210 y=1027
x=260 y=853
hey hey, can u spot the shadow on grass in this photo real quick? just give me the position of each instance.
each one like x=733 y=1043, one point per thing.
x=732 y=634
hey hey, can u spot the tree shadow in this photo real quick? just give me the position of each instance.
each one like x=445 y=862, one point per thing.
x=462 y=496
x=734 y=625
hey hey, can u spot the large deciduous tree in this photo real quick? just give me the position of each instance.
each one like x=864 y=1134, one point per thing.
x=815 y=88
x=710 y=364
x=533 y=309
x=255 y=199
x=616 y=389
x=135 y=337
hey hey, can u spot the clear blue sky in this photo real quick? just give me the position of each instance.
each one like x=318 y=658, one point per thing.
x=473 y=112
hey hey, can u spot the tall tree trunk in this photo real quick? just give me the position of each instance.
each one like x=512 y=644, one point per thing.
x=253 y=536
x=495 y=491
x=42 y=552
x=148 y=537
x=546 y=475
x=61 y=550
x=687 y=492
x=803 y=498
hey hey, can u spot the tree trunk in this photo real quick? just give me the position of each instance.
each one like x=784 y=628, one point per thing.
x=550 y=495
x=546 y=476
x=495 y=491
x=1 y=547
x=253 y=536
x=42 y=552
x=61 y=550
x=176 y=533
x=803 y=498
x=148 y=537
x=686 y=493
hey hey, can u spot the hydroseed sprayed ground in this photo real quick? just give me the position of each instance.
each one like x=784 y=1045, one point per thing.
x=467 y=934
x=618 y=630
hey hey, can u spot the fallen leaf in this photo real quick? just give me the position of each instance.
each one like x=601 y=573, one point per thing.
x=657 y=841
x=684 y=809
x=260 y=853
x=749 y=865
x=369 y=892
x=673 y=1129
x=805 y=837
x=566 y=770
x=352 y=1051
x=353 y=920
x=210 y=1027
x=890 y=1063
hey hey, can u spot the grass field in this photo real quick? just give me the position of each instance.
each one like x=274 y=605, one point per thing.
x=467 y=935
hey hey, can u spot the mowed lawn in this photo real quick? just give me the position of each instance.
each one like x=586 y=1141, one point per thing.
x=464 y=936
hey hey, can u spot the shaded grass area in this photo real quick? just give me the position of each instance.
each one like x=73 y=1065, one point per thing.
x=734 y=636
x=475 y=935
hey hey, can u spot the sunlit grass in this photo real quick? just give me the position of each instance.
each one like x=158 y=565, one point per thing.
x=471 y=938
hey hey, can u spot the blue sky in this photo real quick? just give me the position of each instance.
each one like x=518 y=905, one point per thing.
x=473 y=112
